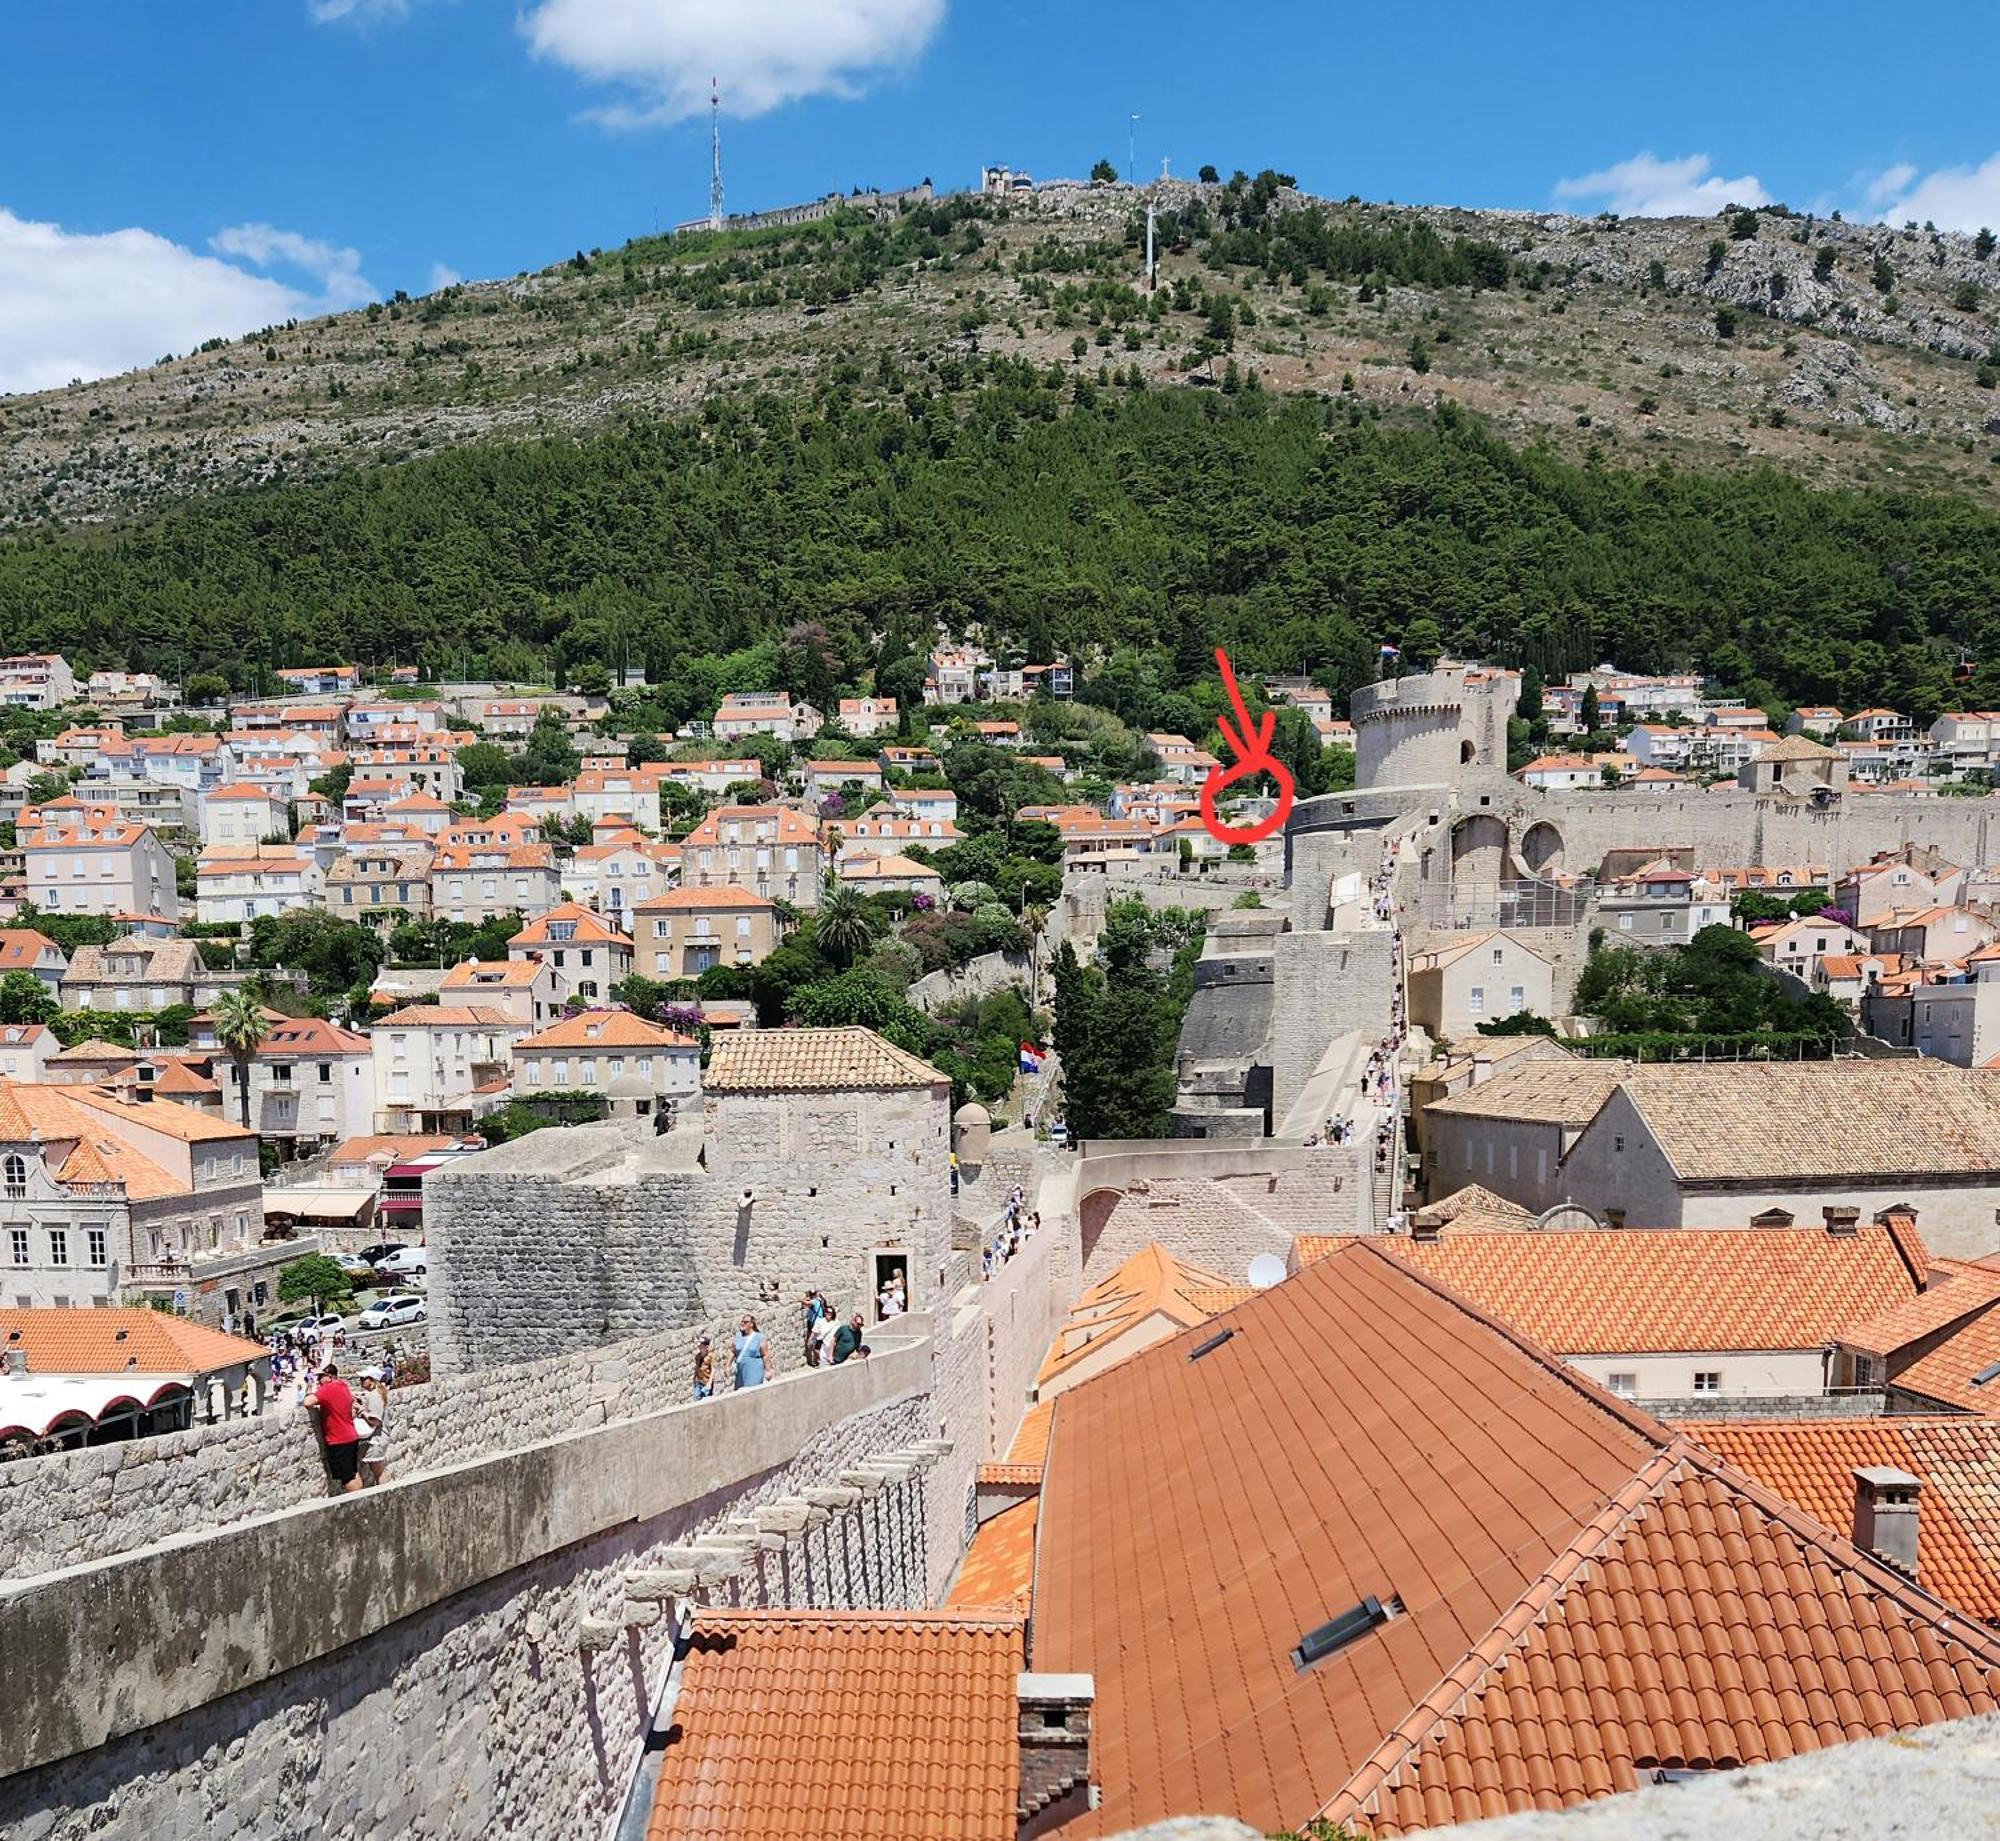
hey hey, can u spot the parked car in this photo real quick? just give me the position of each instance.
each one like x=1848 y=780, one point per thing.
x=375 y=1255
x=397 y=1307
x=320 y=1326
x=350 y=1262
x=404 y=1262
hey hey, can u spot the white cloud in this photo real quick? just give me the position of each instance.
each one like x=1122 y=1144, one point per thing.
x=1647 y=186
x=1885 y=185
x=1953 y=197
x=79 y=304
x=336 y=270
x=443 y=275
x=764 y=52
x=325 y=12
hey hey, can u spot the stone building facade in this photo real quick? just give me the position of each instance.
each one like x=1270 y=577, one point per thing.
x=821 y=1159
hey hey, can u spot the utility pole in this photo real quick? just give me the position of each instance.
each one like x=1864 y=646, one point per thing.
x=714 y=155
x=1132 y=151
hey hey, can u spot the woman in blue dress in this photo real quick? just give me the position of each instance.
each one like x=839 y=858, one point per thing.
x=749 y=1353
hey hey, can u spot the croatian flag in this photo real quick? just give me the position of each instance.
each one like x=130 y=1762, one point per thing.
x=1031 y=1058
x=1392 y=651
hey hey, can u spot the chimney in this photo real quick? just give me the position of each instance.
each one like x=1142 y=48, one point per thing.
x=1425 y=1227
x=1054 y=1731
x=1886 y=1515
x=17 y=1362
x=1843 y=1221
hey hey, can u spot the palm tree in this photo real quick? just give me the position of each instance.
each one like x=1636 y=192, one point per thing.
x=841 y=930
x=239 y=1027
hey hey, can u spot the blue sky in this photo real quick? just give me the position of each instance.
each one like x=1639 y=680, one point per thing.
x=171 y=170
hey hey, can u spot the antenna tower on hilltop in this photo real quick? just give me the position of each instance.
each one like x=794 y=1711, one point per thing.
x=715 y=155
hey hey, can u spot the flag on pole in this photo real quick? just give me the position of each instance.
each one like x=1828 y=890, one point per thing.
x=1392 y=651
x=1031 y=1058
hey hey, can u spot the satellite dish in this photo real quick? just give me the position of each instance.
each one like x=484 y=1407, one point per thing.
x=1266 y=1270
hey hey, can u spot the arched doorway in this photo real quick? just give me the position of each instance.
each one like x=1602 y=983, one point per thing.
x=1478 y=850
x=1541 y=849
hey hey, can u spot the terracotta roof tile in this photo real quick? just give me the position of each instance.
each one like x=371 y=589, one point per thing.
x=1579 y=1595
x=1620 y=1291
x=999 y=1566
x=844 y=1726
x=603 y=1029
x=1698 y=1623
x=1811 y=1463
x=1739 y=1120
x=1955 y=1292
x=591 y=928
x=108 y=1341
x=1947 y=1373
x=1556 y=1092
x=1031 y=1441
x=812 y=1060
x=1149 y=1296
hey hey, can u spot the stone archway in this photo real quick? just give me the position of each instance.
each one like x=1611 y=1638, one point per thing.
x=1541 y=852
x=1479 y=850
x=1092 y=1212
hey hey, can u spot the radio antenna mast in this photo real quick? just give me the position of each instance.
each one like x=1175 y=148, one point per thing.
x=715 y=155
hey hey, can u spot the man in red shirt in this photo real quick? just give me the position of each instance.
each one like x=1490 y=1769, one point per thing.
x=333 y=1401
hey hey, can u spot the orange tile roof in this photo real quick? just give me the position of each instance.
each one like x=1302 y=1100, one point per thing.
x=1618 y=1291
x=1577 y=1594
x=723 y=895
x=1946 y=1373
x=1956 y=1291
x=1811 y=1463
x=447 y=1016
x=490 y=974
x=604 y=1029
x=844 y=1726
x=21 y=947
x=170 y=1120
x=310 y=1035
x=1151 y=1285
x=786 y=825
x=591 y=928
x=999 y=1566
x=59 y=1341
x=1031 y=1440
x=396 y=1149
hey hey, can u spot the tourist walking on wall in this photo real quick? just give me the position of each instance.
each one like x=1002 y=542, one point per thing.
x=847 y=1339
x=374 y=1410
x=704 y=1370
x=749 y=1353
x=817 y=1308
x=332 y=1405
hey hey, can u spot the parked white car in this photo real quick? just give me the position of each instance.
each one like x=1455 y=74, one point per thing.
x=397 y=1307
x=405 y=1262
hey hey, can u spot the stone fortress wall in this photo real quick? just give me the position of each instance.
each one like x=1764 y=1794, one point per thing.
x=471 y=1651
x=205 y=1636
x=566 y=1240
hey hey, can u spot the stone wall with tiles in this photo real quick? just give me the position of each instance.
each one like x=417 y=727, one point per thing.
x=108 y=1499
x=568 y=1240
x=483 y=1696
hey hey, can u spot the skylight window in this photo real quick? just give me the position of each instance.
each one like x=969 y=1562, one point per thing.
x=1350 y=1626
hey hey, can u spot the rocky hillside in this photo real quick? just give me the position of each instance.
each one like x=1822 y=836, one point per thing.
x=1838 y=351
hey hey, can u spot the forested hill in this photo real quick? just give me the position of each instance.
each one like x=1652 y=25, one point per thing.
x=1131 y=525
x=1845 y=353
